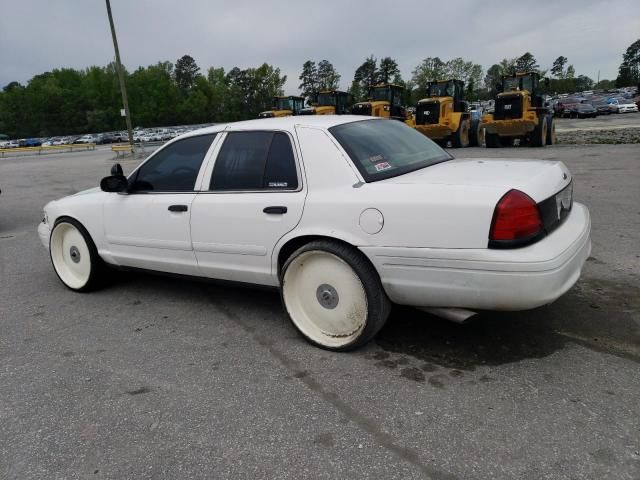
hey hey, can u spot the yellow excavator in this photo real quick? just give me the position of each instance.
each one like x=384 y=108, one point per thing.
x=329 y=102
x=519 y=113
x=284 y=107
x=384 y=100
x=444 y=116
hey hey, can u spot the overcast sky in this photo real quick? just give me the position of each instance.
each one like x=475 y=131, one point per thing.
x=40 y=35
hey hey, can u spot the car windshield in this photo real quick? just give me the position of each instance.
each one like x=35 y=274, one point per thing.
x=387 y=148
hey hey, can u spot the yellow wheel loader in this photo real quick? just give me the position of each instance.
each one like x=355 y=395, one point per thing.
x=284 y=107
x=385 y=100
x=443 y=115
x=329 y=102
x=519 y=113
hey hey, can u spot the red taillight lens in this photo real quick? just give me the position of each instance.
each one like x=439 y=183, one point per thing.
x=516 y=217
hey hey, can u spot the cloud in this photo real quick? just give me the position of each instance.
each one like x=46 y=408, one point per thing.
x=37 y=36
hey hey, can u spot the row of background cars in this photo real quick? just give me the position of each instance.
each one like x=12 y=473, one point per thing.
x=140 y=135
x=589 y=104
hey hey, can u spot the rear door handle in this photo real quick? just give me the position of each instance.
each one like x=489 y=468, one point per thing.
x=275 y=210
x=178 y=208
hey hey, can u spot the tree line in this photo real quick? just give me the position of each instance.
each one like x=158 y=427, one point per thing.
x=67 y=101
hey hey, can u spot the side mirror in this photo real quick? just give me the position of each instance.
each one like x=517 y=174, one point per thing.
x=114 y=183
x=117 y=170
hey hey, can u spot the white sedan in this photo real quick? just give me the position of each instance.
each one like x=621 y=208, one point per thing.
x=345 y=214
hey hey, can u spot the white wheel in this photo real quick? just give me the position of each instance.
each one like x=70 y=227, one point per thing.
x=70 y=255
x=333 y=296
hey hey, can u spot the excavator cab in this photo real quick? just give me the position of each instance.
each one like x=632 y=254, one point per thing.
x=329 y=102
x=385 y=100
x=284 y=107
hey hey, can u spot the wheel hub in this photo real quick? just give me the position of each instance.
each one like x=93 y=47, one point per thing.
x=75 y=254
x=327 y=296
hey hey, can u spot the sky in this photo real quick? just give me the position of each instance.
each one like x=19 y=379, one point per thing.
x=40 y=35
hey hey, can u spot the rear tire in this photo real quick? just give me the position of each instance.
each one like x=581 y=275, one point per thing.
x=476 y=136
x=333 y=295
x=539 y=135
x=460 y=139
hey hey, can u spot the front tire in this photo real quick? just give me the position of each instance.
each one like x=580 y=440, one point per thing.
x=539 y=135
x=74 y=256
x=460 y=139
x=333 y=295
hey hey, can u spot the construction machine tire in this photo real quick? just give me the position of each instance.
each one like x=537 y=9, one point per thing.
x=476 y=136
x=539 y=134
x=552 y=138
x=460 y=138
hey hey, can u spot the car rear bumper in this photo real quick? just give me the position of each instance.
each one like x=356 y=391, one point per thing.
x=487 y=279
x=44 y=233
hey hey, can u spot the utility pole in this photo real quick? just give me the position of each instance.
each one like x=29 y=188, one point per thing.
x=123 y=88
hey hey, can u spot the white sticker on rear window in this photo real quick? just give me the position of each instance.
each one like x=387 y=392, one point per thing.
x=376 y=158
x=279 y=184
x=382 y=166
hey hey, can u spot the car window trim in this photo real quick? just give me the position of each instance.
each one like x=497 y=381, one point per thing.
x=207 y=178
x=134 y=174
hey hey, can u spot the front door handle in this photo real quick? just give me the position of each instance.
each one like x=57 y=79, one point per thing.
x=178 y=208
x=275 y=209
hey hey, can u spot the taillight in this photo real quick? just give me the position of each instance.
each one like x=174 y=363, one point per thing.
x=516 y=221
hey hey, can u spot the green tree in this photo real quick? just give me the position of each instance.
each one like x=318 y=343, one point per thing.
x=367 y=73
x=186 y=72
x=309 y=79
x=430 y=69
x=571 y=72
x=388 y=70
x=328 y=77
x=629 y=70
x=558 y=66
x=527 y=63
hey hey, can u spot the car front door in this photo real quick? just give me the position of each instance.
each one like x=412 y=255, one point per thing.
x=255 y=196
x=149 y=226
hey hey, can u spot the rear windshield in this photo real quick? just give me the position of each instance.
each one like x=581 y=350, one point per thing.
x=386 y=148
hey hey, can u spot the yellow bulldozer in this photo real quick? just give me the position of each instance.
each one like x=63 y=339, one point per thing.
x=384 y=100
x=329 y=102
x=519 y=113
x=444 y=116
x=284 y=107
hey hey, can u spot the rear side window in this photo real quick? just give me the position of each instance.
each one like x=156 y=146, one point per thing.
x=386 y=148
x=255 y=161
x=175 y=167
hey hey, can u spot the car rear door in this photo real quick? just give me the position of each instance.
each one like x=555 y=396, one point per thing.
x=254 y=195
x=149 y=226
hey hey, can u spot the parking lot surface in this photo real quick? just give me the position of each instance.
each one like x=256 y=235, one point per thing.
x=155 y=377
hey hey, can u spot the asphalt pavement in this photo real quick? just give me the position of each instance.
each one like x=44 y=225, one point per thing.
x=156 y=377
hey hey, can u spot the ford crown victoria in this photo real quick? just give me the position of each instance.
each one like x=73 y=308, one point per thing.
x=344 y=214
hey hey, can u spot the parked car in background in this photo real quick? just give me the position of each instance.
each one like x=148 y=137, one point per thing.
x=87 y=139
x=604 y=108
x=564 y=106
x=626 y=105
x=583 y=110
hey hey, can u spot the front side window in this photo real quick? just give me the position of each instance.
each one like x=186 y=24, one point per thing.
x=255 y=161
x=175 y=167
x=386 y=148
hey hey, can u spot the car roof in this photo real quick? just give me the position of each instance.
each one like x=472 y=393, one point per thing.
x=282 y=123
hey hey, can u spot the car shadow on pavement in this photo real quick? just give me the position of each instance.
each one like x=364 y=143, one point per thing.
x=595 y=314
